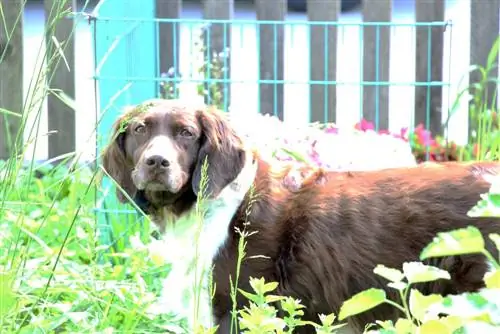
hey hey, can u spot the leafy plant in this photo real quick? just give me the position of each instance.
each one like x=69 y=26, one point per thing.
x=262 y=317
x=214 y=70
x=434 y=313
x=483 y=107
x=169 y=88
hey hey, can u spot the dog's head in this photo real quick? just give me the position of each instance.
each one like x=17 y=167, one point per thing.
x=160 y=146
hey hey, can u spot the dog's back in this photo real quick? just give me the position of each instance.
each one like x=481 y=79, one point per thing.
x=327 y=238
x=387 y=217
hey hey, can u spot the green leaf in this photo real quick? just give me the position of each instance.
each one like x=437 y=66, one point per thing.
x=260 y=319
x=492 y=279
x=7 y=296
x=327 y=326
x=489 y=204
x=492 y=55
x=494 y=199
x=268 y=287
x=417 y=272
x=64 y=98
x=291 y=305
x=9 y=113
x=250 y=296
x=419 y=303
x=327 y=320
x=434 y=327
x=273 y=298
x=400 y=286
x=261 y=287
x=361 y=302
x=457 y=242
x=391 y=274
x=453 y=323
x=404 y=326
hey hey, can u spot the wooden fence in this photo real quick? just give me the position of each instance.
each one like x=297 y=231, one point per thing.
x=484 y=31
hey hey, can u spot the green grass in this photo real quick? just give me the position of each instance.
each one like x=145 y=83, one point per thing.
x=56 y=275
x=50 y=268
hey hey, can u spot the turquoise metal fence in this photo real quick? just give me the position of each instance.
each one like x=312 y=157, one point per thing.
x=286 y=68
x=123 y=50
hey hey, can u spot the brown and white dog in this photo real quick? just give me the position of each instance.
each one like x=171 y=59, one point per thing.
x=320 y=242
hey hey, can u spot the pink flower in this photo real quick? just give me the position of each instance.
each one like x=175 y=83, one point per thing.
x=332 y=130
x=364 y=125
x=424 y=136
x=403 y=133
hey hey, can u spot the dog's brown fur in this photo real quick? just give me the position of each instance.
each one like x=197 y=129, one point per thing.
x=322 y=241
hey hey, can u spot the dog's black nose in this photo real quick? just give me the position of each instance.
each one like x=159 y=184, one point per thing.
x=157 y=161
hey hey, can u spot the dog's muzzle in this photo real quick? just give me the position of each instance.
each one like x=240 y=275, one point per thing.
x=156 y=170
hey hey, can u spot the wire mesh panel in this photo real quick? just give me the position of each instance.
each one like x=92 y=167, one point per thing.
x=310 y=70
x=124 y=49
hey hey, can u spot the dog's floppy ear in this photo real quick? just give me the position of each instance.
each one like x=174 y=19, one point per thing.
x=115 y=162
x=223 y=151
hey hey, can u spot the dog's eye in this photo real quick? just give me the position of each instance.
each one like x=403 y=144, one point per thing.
x=186 y=133
x=140 y=128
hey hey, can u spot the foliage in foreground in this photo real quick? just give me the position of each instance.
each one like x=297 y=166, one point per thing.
x=52 y=280
x=50 y=275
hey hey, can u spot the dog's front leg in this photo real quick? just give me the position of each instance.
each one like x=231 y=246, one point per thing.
x=224 y=324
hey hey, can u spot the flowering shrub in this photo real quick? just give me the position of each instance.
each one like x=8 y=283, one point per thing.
x=360 y=148
x=425 y=147
x=322 y=145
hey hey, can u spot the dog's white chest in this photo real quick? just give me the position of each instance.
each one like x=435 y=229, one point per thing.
x=189 y=262
x=192 y=262
x=191 y=245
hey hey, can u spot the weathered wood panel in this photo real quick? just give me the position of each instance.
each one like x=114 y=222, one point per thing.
x=11 y=74
x=376 y=55
x=484 y=31
x=271 y=55
x=169 y=41
x=217 y=40
x=428 y=99
x=323 y=58
x=59 y=38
